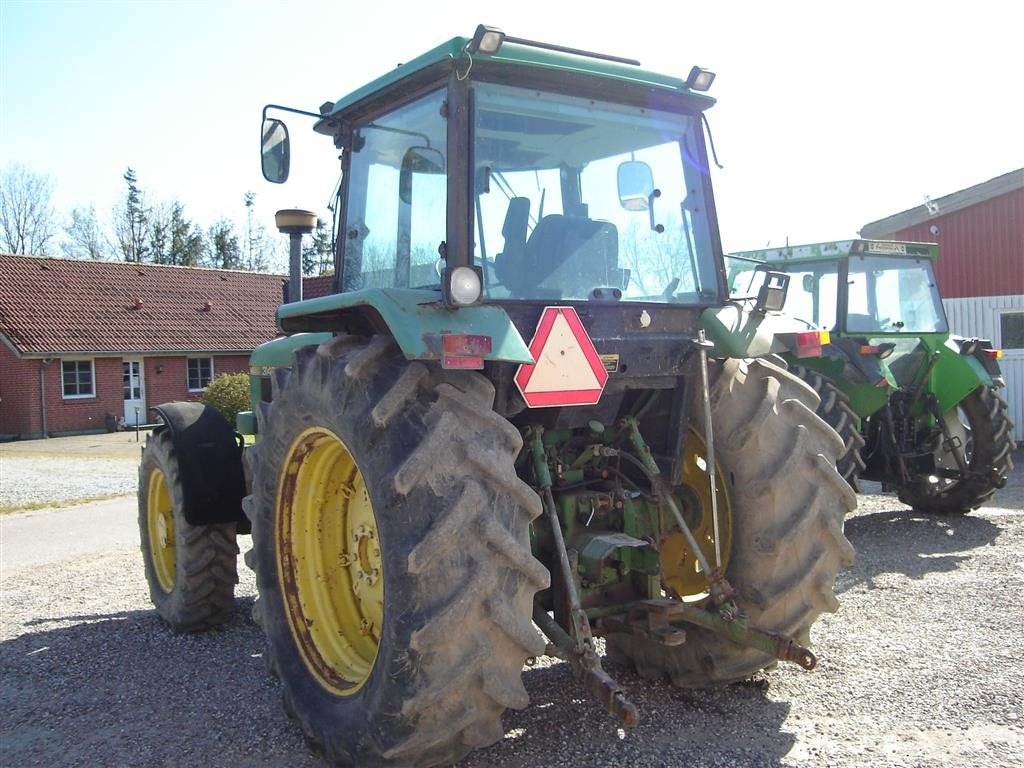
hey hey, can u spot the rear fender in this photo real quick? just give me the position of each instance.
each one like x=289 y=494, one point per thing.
x=416 y=319
x=956 y=375
x=209 y=457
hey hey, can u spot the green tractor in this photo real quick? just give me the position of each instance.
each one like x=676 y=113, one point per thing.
x=525 y=407
x=917 y=407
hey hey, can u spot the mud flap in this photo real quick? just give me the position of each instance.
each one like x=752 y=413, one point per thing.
x=210 y=461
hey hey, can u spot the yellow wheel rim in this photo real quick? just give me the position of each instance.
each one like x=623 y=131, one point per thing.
x=680 y=571
x=329 y=561
x=160 y=522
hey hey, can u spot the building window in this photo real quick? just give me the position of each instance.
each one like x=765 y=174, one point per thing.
x=78 y=379
x=200 y=372
x=1011 y=330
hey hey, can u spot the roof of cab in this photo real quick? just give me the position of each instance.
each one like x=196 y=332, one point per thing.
x=518 y=54
x=840 y=249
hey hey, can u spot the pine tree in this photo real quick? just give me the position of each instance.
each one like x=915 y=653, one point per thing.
x=186 y=246
x=131 y=221
x=223 y=250
x=318 y=251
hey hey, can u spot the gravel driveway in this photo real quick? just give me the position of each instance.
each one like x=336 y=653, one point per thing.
x=63 y=470
x=922 y=666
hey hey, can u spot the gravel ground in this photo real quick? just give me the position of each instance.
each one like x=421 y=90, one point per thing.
x=922 y=666
x=27 y=481
x=32 y=473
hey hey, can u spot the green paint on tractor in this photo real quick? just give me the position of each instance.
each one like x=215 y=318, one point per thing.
x=917 y=406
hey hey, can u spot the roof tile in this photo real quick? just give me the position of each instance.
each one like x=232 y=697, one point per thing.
x=67 y=305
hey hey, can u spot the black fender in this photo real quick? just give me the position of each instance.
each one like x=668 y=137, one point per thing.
x=209 y=454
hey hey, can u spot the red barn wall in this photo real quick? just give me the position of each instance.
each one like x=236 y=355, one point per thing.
x=981 y=248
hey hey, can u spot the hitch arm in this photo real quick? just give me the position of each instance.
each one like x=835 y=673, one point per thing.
x=657 y=620
x=578 y=646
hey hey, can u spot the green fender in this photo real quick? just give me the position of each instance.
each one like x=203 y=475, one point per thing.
x=415 y=318
x=955 y=375
x=737 y=333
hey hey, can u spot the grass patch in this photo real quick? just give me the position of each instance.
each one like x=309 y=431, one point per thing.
x=72 y=455
x=58 y=504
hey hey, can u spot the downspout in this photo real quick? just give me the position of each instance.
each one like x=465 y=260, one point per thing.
x=42 y=392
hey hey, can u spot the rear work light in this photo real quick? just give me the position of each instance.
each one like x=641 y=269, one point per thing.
x=464 y=350
x=809 y=343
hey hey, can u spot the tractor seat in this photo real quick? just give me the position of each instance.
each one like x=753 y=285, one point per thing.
x=572 y=255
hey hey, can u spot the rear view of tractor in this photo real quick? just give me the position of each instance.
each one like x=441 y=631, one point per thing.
x=918 y=408
x=523 y=408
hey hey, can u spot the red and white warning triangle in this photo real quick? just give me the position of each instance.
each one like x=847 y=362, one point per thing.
x=568 y=370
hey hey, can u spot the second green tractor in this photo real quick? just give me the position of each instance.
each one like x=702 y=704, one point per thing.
x=919 y=408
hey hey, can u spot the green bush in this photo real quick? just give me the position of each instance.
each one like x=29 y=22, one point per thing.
x=229 y=394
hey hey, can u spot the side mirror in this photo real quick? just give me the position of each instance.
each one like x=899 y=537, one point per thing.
x=772 y=296
x=417 y=160
x=276 y=151
x=808 y=283
x=636 y=185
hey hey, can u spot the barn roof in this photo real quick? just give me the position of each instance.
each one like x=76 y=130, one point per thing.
x=61 y=306
x=965 y=198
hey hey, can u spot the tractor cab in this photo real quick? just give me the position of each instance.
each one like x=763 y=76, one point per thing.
x=853 y=287
x=508 y=172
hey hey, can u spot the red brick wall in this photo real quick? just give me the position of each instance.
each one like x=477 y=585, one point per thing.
x=87 y=413
x=20 y=414
x=19 y=394
x=171 y=382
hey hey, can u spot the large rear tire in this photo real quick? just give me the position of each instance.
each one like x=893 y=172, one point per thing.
x=836 y=411
x=391 y=549
x=986 y=432
x=787 y=505
x=191 y=569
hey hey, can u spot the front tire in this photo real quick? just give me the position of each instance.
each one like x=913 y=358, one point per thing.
x=391 y=549
x=787 y=504
x=191 y=569
x=987 y=436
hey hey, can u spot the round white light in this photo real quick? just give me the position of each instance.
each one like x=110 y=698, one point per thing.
x=465 y=285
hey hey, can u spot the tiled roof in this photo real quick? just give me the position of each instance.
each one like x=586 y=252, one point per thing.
x=67 y=305
x=315 y=287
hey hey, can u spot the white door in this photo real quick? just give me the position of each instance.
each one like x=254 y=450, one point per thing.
x=134 y=392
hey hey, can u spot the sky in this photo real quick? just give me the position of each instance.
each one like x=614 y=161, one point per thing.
x=830 y=115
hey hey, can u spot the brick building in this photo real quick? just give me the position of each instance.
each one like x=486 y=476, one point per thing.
x=87 y=343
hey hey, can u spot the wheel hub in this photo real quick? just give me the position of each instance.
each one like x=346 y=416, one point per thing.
x=680 y=570
x=329 y=561
x=160 y=524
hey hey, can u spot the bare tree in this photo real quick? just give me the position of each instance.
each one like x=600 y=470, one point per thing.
x=26 y=215
x=86 y=238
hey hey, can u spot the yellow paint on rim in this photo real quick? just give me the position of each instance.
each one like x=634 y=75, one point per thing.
x=329 y=561
x=679 y=568
x=160 y=523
